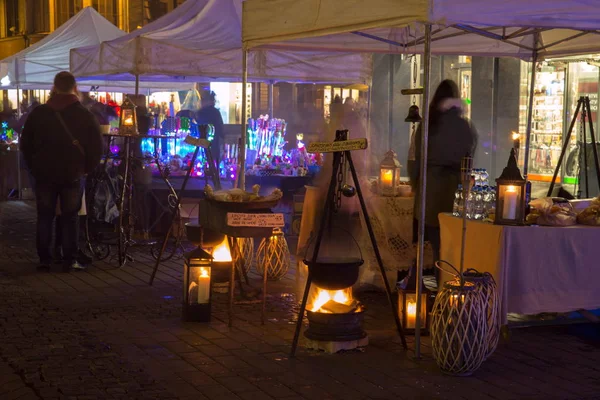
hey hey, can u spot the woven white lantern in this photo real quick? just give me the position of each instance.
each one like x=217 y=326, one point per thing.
x=246 y=251
x=458 y=328
x=273 y=255
x=486 y=285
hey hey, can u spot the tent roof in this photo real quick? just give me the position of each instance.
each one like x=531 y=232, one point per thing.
x=201 y=40
x=469 y=27
x=36 y=66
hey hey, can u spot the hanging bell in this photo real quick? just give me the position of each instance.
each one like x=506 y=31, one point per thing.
x=413 y=114
x=348 y=190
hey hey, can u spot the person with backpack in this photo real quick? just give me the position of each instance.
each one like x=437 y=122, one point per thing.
x=61 y=143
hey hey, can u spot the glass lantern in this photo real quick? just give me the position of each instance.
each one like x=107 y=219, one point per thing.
x=407 y=304
x=389 y=175
x=510 y=194
x=197 y=287
x=128 y=121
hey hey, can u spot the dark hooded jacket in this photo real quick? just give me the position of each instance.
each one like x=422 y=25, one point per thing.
x=452 y=138
x=47 y=148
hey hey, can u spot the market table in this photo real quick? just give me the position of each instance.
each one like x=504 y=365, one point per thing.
x=537 y=268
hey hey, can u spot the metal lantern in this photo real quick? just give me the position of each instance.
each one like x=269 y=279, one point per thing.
x=246 y=253
x=273 y=255
x=458 y=328
x=389 y=175
x=128 y=122
x=407 y=304
x=486 y=285
x=197 y=286
x=510 y=194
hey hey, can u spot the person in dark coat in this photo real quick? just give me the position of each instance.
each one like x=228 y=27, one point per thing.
x=61 y=143
x=209 y=114
x=451 y=137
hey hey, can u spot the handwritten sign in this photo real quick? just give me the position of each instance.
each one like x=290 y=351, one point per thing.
x=332 y=147
x=255 y=220
x=189 y=139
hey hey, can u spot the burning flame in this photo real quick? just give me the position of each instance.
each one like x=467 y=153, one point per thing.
x=204 y=273
x=221 y=252
x=323 y=296
x=516 y=135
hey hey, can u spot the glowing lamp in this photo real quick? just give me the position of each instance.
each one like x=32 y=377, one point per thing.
x=197 y=287
x=128 y=121
x=389 y=175
x=407 y=304
x=516 y=138
x=510 y=194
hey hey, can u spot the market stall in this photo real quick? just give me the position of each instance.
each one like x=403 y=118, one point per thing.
x=530 y=32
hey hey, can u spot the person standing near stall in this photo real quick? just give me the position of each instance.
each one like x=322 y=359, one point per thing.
x=451 y=138
x=61 y=143
x=209 y=114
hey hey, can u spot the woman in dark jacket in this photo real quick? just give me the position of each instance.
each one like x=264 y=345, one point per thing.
x=451 y=137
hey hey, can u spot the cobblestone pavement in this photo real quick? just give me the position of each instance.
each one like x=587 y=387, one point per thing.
x=106 y=334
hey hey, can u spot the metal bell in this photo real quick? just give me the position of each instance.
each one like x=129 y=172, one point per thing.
x=348 y=190
x=413 y=114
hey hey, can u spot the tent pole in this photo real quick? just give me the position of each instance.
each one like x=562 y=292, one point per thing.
x=530 y=106
x=19 y=188
x=391 y=102
x=369 y=154
x=242 y=153
x=270 y=94
x=137 y=85
x=423 y=186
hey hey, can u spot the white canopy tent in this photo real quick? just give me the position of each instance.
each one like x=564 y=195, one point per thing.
x=36 y=66
x=201 y=40
x=530 y=30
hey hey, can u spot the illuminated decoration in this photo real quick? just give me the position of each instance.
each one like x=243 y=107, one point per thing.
x=7 y=134
x=510 y=197
x=128 y=123
x=389 y=175
x=197 y=287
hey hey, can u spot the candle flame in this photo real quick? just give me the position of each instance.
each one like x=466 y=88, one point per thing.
x=411 y=308
x=204 y=272
x=516 y=136
x=511 y=189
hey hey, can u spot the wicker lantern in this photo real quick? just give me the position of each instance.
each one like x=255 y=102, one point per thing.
x=197 y=287
x=389 y=175
x=273 y=255
x=510 y=197
x=486 y=285
x=458 y=328
x=128 y=121
x=246 y=253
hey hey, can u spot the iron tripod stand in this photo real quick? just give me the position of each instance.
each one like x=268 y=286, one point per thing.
x=583 y=106
x=329 y=209
x=175 y=209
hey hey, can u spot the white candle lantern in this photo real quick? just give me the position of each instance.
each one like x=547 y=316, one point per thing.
x=128 y=120
x=510 y=196
x=389 y=175
x=197 y=286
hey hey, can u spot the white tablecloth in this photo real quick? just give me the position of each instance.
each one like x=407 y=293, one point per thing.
x=538 y=269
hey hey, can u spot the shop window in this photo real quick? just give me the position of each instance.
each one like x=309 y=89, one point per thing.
x=108 y=8
x=39 y=16
x=11 y=27
x=65 y=9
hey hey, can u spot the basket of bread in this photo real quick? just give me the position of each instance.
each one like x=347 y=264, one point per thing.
x=591 y=214
x=238 y=200
x=552 y=211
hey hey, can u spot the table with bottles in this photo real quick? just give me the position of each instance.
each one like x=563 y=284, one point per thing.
x=537 y=269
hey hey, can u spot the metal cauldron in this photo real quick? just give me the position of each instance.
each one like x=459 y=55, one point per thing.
x=334 y=273
x=203 y=237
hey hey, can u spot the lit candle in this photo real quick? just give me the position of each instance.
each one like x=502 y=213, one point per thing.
x=509 y=209
x=411 y=315
x=386 y=177
x=203 y=286
x=516 y=137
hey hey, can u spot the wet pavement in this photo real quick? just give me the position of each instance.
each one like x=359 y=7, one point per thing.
x=106 y=334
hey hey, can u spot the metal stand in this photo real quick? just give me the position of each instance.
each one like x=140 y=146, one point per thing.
x=178 y=196
x=583 y=106
x=337 y=165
